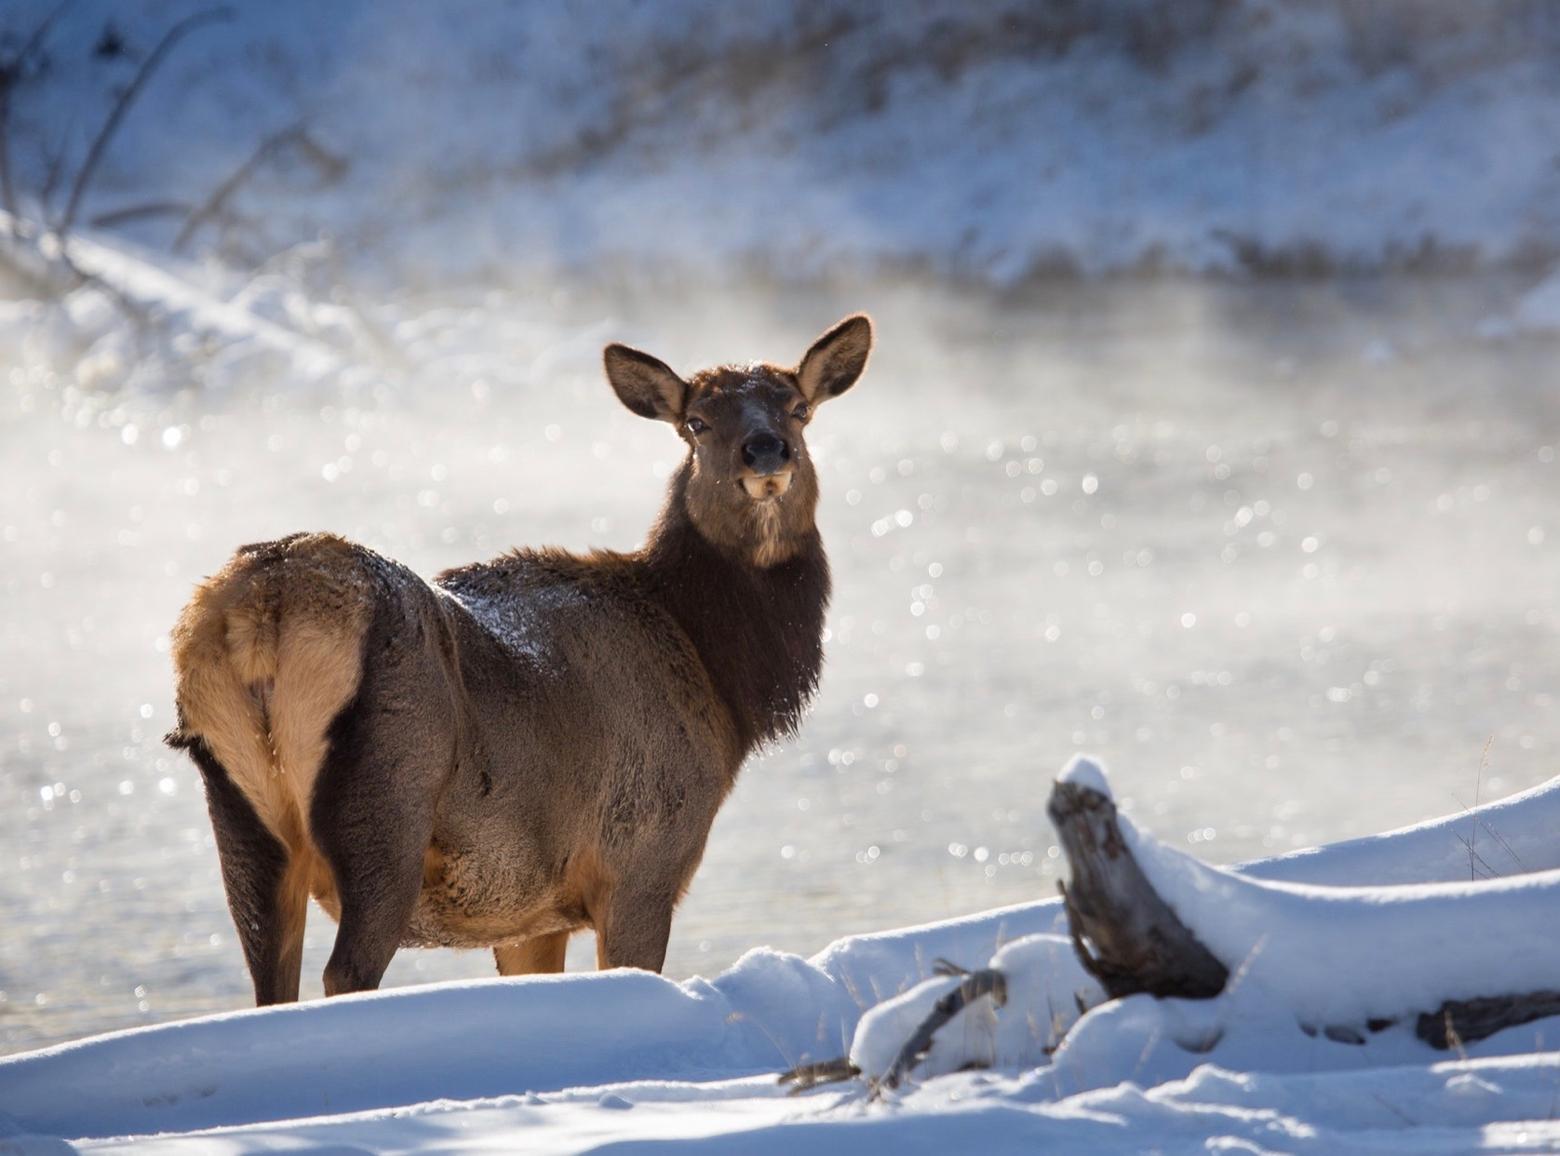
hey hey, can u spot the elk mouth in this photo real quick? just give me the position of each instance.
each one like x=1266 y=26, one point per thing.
x=766 y=487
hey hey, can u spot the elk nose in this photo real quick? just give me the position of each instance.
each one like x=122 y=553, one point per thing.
x=765 y=453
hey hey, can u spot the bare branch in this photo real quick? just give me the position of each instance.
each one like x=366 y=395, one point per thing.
x=121 y=106
x=54 y=166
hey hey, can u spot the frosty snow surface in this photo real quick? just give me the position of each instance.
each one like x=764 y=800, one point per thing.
x=567 y=1063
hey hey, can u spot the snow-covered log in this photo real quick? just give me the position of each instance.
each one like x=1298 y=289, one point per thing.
x=1464 y=959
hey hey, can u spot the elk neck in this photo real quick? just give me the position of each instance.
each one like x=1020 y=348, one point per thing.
x=758 y=630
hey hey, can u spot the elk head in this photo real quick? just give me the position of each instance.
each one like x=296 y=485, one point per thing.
x=747 y=484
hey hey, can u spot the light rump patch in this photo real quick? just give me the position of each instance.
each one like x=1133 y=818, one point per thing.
x=266 y=657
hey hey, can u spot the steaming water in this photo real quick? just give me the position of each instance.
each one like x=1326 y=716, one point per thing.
x=1286 y=557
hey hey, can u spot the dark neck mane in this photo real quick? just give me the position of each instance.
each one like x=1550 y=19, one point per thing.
x=758 y=631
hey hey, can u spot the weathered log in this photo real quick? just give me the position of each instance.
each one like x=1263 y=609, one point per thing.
x=1461 y=1021
x=1126 y=936
x=805 y=1077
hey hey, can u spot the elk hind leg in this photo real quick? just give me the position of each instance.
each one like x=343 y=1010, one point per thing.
x=266 y=884
x=372 y=818
x=537 y=955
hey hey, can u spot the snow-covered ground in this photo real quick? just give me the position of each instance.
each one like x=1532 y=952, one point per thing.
x=582 y=1062
x=986 y=141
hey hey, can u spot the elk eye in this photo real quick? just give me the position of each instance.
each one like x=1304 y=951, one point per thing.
x=697 y=425
x=800 y=412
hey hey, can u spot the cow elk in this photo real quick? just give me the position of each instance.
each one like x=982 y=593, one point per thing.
x=519 y=748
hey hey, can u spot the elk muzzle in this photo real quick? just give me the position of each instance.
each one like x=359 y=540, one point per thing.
x=766 y=459
x=765 y=453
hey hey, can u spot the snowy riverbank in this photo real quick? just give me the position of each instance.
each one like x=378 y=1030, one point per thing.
x=572 y=1062
x=993 y=142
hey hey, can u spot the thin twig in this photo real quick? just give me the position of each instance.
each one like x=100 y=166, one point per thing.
x=1501 y=839
x=217 y=201
x=1473 y=857
x=1478 y=780
x=138 y=212
x=121 y=106
x=54 y=167
x=1395 y=1110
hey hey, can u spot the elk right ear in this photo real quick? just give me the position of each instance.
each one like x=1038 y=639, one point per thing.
x=645 y=384
x=835 y=360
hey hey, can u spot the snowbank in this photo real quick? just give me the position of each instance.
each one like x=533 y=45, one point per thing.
x=991 y=141
x=566 y=1063
x=1314 y=949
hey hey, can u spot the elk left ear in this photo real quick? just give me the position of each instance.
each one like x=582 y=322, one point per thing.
x=836 y=360
x=645 y=384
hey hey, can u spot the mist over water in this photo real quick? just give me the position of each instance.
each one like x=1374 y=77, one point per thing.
x=1284 y=556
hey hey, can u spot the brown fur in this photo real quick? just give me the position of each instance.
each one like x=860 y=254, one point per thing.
x=523 y=747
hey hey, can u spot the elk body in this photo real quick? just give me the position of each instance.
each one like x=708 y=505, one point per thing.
x=519 y=748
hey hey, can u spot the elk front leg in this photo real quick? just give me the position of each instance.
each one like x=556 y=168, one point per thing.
x=540 y=954
x=636 y=926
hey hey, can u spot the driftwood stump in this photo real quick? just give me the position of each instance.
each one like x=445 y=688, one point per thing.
x=1126 y=936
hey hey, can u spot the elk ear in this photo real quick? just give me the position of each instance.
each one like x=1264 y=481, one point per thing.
x=645 y=384
x=836 y=360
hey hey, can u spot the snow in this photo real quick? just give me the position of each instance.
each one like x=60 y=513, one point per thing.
x=1539 y=309
x=988 y=142
x=1294 y=941
x=1085 y=773
x=570 y=1063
